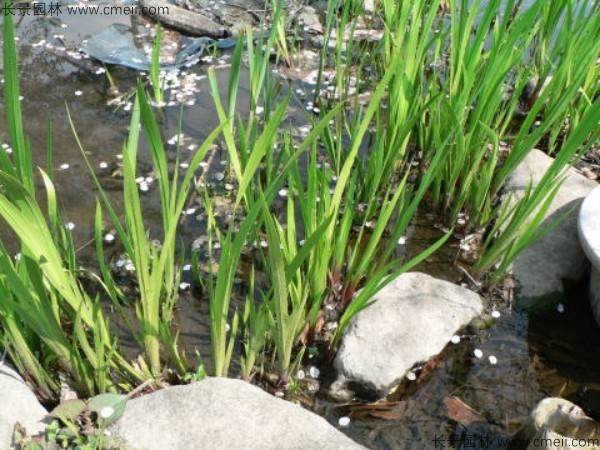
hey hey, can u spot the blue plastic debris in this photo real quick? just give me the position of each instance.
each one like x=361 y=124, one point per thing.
x=116 y=45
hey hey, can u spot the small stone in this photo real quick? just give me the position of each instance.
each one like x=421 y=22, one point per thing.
x=78 y=93
x=560 y=308
x=109 y=238
x=314 y=372
x=187 y=267
x=283 y=193
x=495 y=314
x=301 y=374
x=103 y=165
x=402 y=240
x=184 y=286
x=64 y=166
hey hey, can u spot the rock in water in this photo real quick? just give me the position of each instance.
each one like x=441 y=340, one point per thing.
x=18 y=404
x=221 y=413
x=558 y=424
x=412 y=320
x=557 y=256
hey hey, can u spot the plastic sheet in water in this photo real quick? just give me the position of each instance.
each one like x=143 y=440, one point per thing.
x=117 y=45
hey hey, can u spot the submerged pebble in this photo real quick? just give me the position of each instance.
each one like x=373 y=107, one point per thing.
x=314 y=372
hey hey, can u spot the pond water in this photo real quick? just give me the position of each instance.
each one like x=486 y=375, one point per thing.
x=553 y=353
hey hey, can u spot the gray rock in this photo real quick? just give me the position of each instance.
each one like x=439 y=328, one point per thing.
x=558 y=424
x=411 y=321
x=221 y=413
x=18 y=404
x=589 y=236
x=544 y=266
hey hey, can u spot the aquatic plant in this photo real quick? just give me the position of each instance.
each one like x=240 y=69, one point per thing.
x=50 y=324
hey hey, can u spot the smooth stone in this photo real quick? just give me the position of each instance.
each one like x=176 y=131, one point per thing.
x=18 y=404
x=558 y=424
x=589 y=237
x=223 y=413
x=589 y=227
x=412 y=320
x=544 y=266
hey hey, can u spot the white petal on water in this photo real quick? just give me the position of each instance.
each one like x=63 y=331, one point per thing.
x=478 y=353
x=78 y=93
x=560 y=308
x=109 y=237
x=344 y=421
x=184 y=286
x=187 y=267
x=402 y=240
x=64 y=166
x=70 y=226
x=493 y=359
x=411 y=376
x=103 y=165
x=455 y=339
x=495 y=314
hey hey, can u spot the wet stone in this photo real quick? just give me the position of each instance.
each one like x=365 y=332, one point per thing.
x=543 y=267
x=412 y=320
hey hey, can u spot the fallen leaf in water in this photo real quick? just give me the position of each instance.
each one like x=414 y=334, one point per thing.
x=460 y=412
x=428 y=368
x=383 y=410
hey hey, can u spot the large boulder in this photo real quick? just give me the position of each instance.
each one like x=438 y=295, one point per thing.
x=18 y=404
x=412 y=320
x=544 y=266
x=221 y=413
x=589 y=236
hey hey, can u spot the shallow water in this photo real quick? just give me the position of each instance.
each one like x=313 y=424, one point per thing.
x=537 y=356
